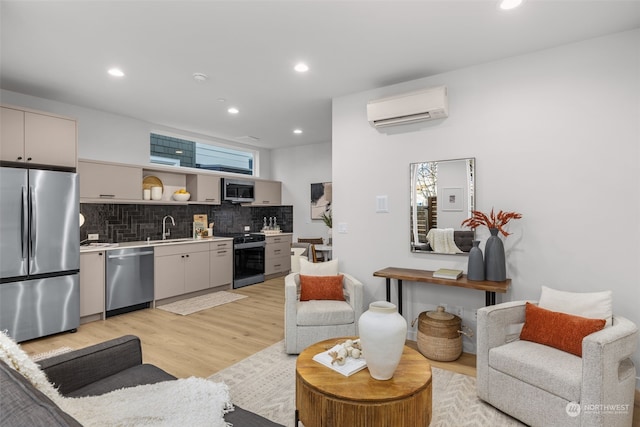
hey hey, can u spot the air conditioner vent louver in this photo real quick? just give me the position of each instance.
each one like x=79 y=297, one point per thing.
x=412 y=107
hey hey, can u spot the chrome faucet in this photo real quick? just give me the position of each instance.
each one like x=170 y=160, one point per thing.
x=165 y=231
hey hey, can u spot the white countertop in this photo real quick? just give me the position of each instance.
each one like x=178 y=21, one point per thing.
x=94 y=247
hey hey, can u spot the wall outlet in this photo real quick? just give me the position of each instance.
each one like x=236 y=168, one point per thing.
x=93 y=236
x=475 y=315
x=247 y=228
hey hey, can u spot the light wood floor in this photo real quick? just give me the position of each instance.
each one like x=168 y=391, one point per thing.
x=205 y=342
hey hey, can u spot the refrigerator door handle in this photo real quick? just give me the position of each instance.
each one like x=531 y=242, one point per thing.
x=32 y=210
x=24 y=224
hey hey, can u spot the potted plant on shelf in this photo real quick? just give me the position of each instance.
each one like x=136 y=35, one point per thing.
x=494 y=259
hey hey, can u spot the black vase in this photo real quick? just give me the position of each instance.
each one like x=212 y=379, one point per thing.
x=475 y=267
x=495 y=268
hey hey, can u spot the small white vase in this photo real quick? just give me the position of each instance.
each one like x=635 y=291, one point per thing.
x=383 y=333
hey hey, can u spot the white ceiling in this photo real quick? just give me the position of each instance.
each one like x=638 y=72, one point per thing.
x=62 y=49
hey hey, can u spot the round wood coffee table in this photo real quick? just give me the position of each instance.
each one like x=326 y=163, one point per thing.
x=325 y=397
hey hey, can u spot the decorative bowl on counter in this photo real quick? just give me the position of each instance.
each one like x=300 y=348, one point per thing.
x=181 y=197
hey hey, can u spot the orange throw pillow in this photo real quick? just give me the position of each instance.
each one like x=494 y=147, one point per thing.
x=560 y=330
x=321 y=288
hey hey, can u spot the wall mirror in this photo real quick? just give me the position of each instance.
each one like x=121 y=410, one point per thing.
x=442 y=196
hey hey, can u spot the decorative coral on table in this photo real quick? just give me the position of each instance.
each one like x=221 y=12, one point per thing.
x=493 y=220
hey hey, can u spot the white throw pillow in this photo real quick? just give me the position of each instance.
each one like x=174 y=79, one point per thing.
x=593 y=305
x=328 y=268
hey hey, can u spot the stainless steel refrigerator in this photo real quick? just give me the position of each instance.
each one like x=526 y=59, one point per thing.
x=39 y=252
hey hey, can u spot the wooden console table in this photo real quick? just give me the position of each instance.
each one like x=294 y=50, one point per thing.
x=426 y=276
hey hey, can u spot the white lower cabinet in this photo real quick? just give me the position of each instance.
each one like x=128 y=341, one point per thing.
x=277 y=255
x=92 y=283
x=180 y=269
x=221 y=263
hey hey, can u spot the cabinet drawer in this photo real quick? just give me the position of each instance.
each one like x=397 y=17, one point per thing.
x=179 y=249
x=272 y=240
x=277 y=250
x=221 y=244
x=277 y=265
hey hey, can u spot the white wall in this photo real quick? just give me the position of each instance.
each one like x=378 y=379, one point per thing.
x=556 y=137
x=114 y=138
x=298 y=168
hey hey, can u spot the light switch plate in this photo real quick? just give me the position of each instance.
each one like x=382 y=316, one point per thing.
x=343 y=227
x=382 y=204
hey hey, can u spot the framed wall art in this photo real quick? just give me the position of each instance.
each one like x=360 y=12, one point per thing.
x=320 y=199
x=452 y=199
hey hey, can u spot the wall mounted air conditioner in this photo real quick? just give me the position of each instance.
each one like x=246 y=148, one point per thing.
x=412 y=107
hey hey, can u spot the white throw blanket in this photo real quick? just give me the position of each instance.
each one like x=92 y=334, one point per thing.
x=184 y=402
x=441 y=241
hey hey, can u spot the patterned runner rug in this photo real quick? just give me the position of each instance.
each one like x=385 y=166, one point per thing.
x=202 y=302
x=264 y=383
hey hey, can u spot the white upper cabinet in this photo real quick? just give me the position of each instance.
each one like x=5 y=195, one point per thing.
x=38 y=138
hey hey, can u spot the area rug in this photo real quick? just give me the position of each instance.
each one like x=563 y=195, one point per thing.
x=264 y=383
x=50 y=353
x=202 y=302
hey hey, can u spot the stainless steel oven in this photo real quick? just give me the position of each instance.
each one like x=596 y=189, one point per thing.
x=248 y=255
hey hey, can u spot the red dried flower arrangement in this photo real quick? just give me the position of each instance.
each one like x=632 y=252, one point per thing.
x=492 y=221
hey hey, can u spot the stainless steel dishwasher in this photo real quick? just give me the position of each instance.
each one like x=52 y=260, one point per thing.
x=129 y=280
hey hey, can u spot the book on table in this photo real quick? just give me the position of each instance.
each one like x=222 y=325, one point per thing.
x=350 y=367
x=447 y=273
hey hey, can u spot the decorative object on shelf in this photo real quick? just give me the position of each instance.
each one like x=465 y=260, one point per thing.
x=494 y=258
x=182 y=195
x=156 y=193
x=383 y=333
x=146 y=194
x=475 y=265
x=151 y=181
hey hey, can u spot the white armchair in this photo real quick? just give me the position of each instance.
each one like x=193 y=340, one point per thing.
x=307 y=322
x=535 y=383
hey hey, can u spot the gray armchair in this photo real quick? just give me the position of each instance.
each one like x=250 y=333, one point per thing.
x=537 y=384
x=307 y=322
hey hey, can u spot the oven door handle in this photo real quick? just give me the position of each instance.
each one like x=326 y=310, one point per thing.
x=249 y=245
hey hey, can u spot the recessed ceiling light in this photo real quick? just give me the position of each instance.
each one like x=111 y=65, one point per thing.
x=301 y=67
x=510 y=4
x=200 y=77
x=297 y=131
x=233 y=110
x=116 y=72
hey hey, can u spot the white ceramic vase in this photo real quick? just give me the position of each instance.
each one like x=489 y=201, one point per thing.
x=382 y=335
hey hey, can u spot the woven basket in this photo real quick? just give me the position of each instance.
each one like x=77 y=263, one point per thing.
x=439 y=335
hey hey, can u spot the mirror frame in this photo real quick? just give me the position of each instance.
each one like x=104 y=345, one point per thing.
x=460 y=193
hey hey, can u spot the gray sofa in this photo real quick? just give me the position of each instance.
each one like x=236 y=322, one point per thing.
x=90 y=371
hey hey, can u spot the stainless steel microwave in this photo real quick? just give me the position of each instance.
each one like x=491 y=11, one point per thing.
x=238 y=190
